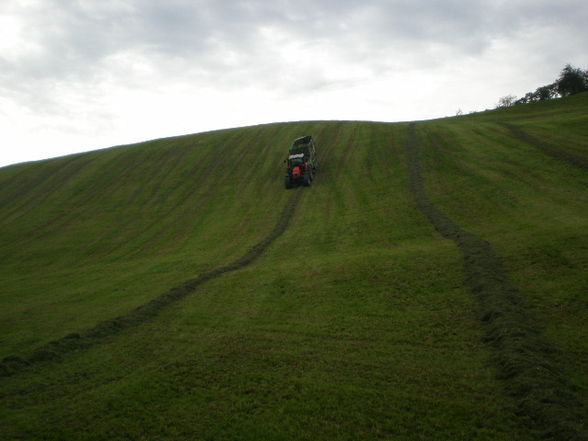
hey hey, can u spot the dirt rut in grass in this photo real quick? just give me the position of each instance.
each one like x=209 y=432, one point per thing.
x=525 y=362
x=77 y=341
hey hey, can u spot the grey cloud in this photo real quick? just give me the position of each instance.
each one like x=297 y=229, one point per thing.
x=182 y=37
x=81 y=30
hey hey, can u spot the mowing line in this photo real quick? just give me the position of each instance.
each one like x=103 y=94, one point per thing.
x=562 y=155
x=525 y=362
x=73 y=342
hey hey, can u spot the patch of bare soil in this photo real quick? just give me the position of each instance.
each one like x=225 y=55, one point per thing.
x=525 y=362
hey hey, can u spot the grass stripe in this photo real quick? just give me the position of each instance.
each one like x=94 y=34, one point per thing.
x=74 y=342
x=525 y=361
x=562 y=155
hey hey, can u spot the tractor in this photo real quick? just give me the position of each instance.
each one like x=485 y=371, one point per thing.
x=301 y=162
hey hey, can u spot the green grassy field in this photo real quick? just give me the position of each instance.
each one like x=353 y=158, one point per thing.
x=355 y=323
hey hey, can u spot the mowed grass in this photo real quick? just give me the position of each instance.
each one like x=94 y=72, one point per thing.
x=88 y=237
x=532 y=208
x=354 y=324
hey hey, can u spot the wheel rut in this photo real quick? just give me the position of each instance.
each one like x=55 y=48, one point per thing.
x=55 y=350
x=525 y=362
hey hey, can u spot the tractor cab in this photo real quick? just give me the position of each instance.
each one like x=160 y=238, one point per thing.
x=297 y=166
x=296 y=160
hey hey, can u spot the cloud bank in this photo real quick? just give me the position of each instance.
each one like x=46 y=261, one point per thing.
x=78 y=75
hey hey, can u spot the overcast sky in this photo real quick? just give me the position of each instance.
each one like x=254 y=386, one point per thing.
x=85 y=74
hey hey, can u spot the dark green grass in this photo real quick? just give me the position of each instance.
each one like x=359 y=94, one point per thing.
x=130 y=226
x=277 y=359
x=354 y=324
x=532 y=207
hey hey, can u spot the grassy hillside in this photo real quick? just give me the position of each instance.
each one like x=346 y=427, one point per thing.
x=358 y=321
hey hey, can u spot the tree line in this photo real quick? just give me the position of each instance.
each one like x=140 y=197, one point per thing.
x=571 y=80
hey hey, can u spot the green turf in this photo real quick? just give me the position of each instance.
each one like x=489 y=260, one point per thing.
x=531 y=207
x=354 y=324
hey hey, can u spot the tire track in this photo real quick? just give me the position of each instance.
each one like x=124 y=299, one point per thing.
x=562 y=155
x=78 y=341
x=525 y=362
